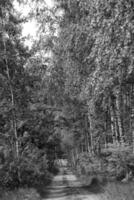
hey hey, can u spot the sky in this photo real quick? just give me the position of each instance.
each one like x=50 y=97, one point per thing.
x=30 y=28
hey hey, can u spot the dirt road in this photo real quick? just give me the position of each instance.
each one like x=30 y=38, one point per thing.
x=66 y=186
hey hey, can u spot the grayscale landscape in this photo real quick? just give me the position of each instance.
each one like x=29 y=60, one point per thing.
x=66 y=99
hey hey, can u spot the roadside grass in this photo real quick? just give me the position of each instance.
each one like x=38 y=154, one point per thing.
x=26 y=192
x=20 y=194
x=111 y=190
x=119 y=191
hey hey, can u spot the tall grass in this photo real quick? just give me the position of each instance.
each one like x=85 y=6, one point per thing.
x=20 y=194
x=119 y=191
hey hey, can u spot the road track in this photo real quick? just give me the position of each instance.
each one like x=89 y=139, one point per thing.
x=66 y=186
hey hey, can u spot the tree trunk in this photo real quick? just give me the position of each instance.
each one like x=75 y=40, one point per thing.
x=87 y=135
x=72 y=158
x=91 y=133
x=114 y=125
x=132 y=115
x=14 y=124
x=119 y=115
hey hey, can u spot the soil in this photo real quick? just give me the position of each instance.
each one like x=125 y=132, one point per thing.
x=66 y=186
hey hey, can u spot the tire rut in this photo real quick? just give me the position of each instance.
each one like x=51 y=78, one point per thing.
x=66 y=186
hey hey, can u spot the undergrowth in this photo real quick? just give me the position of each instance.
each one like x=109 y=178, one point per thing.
x=20 y=194
x=119 y=191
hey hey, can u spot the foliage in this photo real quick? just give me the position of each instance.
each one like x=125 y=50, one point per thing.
x=27 y=137
x=94 y=55
x=29 y=194
x=72 y=94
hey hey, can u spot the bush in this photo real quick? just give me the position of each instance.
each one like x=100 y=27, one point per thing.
x=30 y=169
x=88 y=164
x=119 y=162
x=21 y=194
x=115 y=163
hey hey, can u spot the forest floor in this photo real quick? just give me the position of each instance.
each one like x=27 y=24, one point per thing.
x=67 y=186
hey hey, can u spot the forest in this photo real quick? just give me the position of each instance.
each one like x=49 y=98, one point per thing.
x=71 y=95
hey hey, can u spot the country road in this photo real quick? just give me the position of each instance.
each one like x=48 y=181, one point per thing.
x=66 y=186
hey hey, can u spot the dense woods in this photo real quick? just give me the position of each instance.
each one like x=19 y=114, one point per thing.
x=28 y=140
x=71 y=95
x=94 y=52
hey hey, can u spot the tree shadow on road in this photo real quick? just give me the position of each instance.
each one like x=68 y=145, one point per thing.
x=94 y=189
x=60 y=191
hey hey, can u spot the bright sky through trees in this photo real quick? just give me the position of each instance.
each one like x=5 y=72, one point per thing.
x=31 y=27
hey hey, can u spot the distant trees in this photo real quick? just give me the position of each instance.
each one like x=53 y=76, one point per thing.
x=27 y=118
x=12 y=59
x=94 y=53
x=73 y=91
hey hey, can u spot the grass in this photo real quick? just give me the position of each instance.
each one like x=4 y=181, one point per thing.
x=119 y=191
x=20 y=194
x=113 y=190
x=108 y=191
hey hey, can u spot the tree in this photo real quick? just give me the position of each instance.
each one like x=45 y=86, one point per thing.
x=94 y=50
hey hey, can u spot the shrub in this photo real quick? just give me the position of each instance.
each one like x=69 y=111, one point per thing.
x=30 y=169
x=21 y=194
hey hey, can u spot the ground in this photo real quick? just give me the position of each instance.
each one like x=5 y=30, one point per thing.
x=66 y=186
